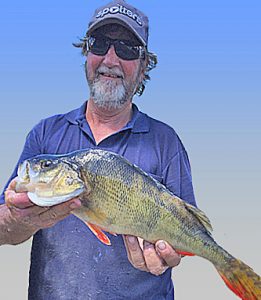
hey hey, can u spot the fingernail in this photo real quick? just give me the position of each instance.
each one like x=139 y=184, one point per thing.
x=161 y=245
x=131 y=239
x=75 y=204
x=147 y=245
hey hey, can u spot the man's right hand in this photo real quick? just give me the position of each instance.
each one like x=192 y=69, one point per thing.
x=20 y=218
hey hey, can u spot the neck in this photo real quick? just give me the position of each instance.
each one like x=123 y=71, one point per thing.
x=104 y=122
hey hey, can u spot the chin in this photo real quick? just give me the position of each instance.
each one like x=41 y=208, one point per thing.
x=109 y=105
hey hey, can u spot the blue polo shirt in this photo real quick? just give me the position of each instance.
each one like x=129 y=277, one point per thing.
x=67 y=261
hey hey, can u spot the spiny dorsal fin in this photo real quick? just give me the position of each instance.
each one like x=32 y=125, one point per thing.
x=200 y=215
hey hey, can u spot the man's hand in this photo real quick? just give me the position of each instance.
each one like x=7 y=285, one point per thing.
x=155 y=259
x=20 y=218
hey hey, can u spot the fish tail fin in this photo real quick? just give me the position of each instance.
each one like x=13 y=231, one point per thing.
x=241 y=279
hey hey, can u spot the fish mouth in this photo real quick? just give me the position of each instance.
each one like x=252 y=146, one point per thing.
x=25 y=181
x=46 y=201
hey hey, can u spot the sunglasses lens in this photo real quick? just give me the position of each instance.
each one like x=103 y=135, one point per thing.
x=100 y=45
x=126 y=52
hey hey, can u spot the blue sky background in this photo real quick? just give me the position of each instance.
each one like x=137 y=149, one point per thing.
x=207 y=86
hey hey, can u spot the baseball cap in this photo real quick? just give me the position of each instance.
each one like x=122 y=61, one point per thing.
x=120 y=12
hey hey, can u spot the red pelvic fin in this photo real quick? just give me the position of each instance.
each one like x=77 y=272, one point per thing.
x=184 y=253
x=99 y=234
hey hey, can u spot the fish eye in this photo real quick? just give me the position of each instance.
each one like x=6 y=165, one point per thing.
x=45 y=164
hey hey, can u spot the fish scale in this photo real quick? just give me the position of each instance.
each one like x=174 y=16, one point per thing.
x=119 y=197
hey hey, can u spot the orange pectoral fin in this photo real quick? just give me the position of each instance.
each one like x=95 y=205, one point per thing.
x=99 y=234
x=183 y=253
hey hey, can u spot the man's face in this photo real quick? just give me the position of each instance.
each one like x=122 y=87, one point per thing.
x=112 y=80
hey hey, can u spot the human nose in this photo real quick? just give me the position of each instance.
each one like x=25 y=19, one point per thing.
x=111 y=59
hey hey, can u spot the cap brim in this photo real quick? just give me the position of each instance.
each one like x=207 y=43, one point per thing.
x=115 y=21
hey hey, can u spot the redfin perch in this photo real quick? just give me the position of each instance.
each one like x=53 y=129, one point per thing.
x=119 y=197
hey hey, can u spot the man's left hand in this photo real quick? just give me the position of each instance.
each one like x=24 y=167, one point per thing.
x=154 y=258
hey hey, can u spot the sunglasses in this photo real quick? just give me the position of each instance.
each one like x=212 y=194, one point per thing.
x=100 y=45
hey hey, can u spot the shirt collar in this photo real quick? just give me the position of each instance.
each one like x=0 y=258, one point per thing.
x=77 y=115
x=138 y=123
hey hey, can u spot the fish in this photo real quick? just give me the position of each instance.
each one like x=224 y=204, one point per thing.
x=120 y=198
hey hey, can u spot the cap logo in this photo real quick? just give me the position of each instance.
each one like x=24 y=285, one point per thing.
x=119 y=10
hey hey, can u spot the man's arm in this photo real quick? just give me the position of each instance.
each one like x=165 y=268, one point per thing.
x=20 y=218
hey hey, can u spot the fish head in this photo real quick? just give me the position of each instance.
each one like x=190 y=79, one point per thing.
x=50 y=179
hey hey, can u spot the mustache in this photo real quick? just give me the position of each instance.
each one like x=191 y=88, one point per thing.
x=114 y=71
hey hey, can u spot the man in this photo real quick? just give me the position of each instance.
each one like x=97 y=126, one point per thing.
x=67 y=261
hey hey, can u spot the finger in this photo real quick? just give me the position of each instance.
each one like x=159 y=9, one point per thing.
x=126 y=247
x=60 y=211
x=135 y=253
x=52 y=221
x=28 y=216
x=28 y=212
x=154 y=262
x=167 y=253
x=19 y=200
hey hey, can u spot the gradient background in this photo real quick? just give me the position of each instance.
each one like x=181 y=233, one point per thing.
x=207 y=86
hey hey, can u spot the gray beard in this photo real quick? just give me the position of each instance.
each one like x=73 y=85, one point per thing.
x=110 y=94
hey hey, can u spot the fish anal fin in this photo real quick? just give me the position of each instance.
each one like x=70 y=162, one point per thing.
x=200 y=215
x=184 y=253
x=96 y=230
